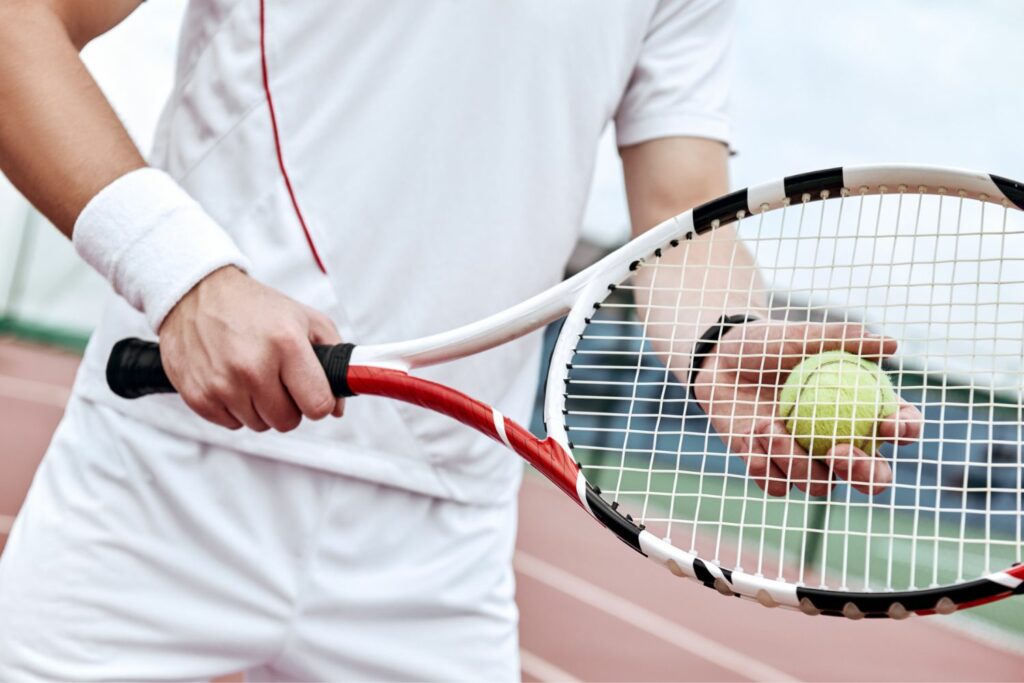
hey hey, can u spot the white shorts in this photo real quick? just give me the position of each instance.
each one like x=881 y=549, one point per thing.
x=139 y=555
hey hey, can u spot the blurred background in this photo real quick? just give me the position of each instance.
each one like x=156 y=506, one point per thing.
x=817 y=84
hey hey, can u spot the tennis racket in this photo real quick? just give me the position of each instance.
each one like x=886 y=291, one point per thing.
x=931 y=257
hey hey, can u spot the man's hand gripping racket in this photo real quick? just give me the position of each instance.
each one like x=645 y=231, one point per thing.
x=720 y=469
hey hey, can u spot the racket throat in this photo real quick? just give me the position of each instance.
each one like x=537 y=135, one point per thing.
x=547 y=455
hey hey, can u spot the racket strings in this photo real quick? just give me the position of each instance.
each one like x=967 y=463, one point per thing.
x=940 y=274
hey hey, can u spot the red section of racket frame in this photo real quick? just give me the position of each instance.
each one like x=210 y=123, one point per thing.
x=1016 y=572
x=547 y=455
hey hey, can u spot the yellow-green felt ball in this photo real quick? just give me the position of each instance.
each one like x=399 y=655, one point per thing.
x=834 y=398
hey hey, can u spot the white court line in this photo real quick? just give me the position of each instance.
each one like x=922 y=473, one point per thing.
x=6 y=522
x=647 y=621
x=31 y=391
x=543 y=670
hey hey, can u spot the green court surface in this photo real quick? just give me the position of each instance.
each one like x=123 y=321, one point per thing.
x=716 y=515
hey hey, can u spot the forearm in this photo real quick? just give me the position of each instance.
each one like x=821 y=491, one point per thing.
x=60 y=140
x=694 y=285
x=689 y=287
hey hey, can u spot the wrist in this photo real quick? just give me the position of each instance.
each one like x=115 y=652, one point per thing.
x=204 y=295
x=151 y=241
x=708 y=342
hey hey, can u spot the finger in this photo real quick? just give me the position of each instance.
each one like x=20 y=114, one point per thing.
x=904 y=426
x=800 y=469
x=247 y=415
x=777 y=482
x=856 y=339
x=323 y=331
x=784 y=451
x=218 y=415
x=205 y=405
x=305 y=381
x=766 y=475
x=868 y=474
x=821 y=476
x=275 y=406
x=758 y=466
x=321 y=328
x=242 y=409
x=788 y=345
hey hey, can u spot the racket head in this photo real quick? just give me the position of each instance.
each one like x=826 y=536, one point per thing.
x=959 y=544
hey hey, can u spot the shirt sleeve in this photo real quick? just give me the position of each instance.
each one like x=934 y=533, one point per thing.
x=681 y=82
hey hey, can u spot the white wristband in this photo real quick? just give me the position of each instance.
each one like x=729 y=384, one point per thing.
x=151 y=241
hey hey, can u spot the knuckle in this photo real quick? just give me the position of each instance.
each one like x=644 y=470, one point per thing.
x=758 y=467
x=204 y=410
x=286 y=340
x=198 y=400
x=221 y=387
x=319 y=319
x=245 y=372
x=210 y=410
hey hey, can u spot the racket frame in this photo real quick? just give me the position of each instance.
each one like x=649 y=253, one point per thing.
x=577 y=297
x=383 y=370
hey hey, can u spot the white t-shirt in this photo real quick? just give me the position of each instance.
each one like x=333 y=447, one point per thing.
x=440 y=153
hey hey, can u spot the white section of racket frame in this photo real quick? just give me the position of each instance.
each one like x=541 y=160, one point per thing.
x=576 y=295
x=556 y=302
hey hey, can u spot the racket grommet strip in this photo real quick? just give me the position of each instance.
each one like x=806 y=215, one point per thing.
x=766 y=599
x=676 y=569
x=808 y=607
x=898 y=611
x=851 y=611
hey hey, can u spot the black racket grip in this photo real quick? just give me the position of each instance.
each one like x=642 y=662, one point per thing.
x=135 y=368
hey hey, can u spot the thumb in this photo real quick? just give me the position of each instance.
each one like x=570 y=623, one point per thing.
x=850 y=337
x=321 y=328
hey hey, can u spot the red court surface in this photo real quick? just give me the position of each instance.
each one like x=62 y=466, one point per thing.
x=590 y=608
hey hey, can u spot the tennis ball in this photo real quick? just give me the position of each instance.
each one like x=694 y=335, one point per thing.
x=834 y=398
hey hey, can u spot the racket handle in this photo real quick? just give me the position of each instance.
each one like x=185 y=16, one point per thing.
x=135 y=368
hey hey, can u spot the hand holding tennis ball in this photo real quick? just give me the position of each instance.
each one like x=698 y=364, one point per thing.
x=835 y=398
x=803 y=407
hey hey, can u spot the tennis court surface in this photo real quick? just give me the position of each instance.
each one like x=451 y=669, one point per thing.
x=592 y=611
